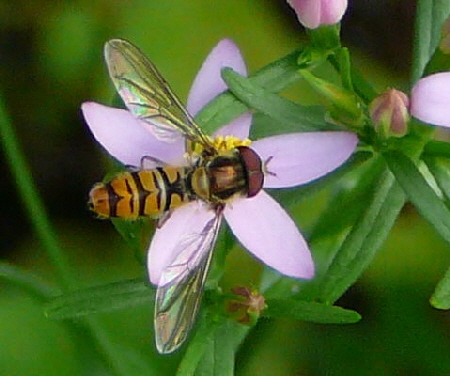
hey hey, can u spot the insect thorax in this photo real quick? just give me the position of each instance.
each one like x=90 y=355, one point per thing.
x=220 y=178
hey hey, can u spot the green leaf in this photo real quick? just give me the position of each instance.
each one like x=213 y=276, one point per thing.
x=275 y=77
x=363 y=241
x=343 y=58
x=122 y=360
x=297 y=117
x=27 y=281
x=104 y=298
x=440 y=169
x=131 y=232
x=203 y=338
x=310 y=312
x=437 y=149
x=351 y=77
x=430 y=16
x=441 y=296
x=419 y=192
x=219 y=357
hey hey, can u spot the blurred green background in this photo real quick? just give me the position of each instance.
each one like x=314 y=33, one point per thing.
x=51 y=61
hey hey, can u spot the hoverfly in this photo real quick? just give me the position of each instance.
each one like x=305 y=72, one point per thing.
x=212 y=176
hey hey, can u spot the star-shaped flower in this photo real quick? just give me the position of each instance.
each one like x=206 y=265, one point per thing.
x=262 y=226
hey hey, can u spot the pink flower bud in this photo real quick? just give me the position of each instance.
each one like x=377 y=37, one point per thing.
x=389 y=112
x=315 y=13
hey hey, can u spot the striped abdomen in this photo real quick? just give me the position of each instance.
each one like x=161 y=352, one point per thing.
x=140 y=193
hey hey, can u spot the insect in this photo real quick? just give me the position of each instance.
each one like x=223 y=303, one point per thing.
x=214 y=176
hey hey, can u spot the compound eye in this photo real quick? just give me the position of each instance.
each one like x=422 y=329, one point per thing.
x=253 y=166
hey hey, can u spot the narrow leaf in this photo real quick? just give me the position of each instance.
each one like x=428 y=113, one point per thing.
x=27 y=281
x=430 y=15
x=104 y=298
x=363 y=241
x=441 y=296
x=318 y=313
x=219 y=358
x=419 y=192
x=275 y=77
x=299 y=118
x=202 y=339
x=356 y=81
x=440 y=169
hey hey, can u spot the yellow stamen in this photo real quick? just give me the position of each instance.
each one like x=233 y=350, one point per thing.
x=227 y=143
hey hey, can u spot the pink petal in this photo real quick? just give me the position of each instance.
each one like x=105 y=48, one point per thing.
x=267 y=231
x=184 y=225
x=208 y=82
x=297 y=158
x=239 y=127
x=430 y=99
x=126 y=138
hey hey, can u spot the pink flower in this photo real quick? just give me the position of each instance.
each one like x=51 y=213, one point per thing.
x=430 y=99
x=260 y=223
x=315 y=13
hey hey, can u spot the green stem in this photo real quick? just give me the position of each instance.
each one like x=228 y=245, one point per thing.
x=39 y=220
x=31 y=200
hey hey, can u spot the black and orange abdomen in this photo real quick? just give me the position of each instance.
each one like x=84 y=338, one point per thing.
x=144 y=193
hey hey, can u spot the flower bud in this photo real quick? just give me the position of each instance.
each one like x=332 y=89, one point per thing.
x=389 y=113
x=315 y=13
x=247 y=305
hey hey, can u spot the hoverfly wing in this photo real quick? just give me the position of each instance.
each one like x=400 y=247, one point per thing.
x=148 y=95
x=179 y=293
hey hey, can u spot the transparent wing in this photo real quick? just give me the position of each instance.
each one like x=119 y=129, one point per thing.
x=147 y=94
x=180 y=289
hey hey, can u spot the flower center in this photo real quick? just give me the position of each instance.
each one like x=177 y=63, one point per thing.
x=227 y=143
x=222 y=144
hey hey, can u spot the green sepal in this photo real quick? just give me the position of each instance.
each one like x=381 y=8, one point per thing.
x=326 y=37
x=343 y=106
